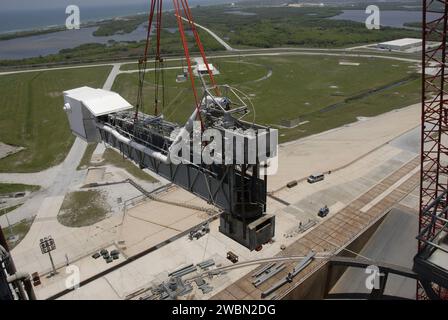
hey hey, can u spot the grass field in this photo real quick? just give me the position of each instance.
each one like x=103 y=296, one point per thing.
x=19 y=230
x=314 y=89
x=32 y=115
x=11 y=188
x=9 y=209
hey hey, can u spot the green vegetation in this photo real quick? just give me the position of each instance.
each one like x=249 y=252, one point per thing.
x=85 y=161
x=83 y=208
x=315 y=89
x=389 y=5
x=114 y=158
x=7 y=210
x=29 y=33
x=413 y=25
x=6 y=188
x=348 y=5
x=32 y=115
x=36 y=32
x=120 y=25
x=19 y=230
x=376 y=104
x=270 y=27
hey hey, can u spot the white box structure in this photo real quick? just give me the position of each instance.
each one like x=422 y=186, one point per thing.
x=84 y=105
x=401 y=44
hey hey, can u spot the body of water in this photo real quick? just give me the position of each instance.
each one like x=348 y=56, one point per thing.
x=388 y=18
x=45 y=44
x=51 y=43
x=20 y=20
x=28 y=20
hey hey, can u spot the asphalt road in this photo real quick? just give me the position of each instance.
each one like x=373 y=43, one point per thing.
x=214 y=35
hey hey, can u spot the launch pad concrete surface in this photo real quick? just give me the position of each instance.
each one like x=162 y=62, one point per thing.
x=361 y=157
x=144 y=225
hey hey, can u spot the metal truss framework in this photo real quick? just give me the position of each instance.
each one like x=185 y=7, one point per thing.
x=434 y=152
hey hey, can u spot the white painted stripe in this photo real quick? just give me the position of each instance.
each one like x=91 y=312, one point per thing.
x=375 y=201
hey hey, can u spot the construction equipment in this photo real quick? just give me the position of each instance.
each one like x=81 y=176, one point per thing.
x=232 y=257
x=268 y=273
x=199 y=232
x=289 y=278
x=206 y=264
x=241 y=152
x=323 y=212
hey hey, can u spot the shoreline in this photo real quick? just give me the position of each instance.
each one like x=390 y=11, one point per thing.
x=14 y=34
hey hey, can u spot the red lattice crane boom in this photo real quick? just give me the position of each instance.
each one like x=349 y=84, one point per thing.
x=433 y=218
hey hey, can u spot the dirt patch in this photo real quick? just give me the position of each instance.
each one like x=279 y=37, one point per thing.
x=83 y=208
x=54 y=94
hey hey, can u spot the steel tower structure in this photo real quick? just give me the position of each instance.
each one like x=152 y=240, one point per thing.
x=431 y=260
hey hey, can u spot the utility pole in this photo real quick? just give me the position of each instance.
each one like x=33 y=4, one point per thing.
x=9 y=224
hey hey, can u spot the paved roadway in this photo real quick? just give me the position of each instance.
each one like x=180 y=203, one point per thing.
x=112 y=76
x=214 y=35
x=56 y=182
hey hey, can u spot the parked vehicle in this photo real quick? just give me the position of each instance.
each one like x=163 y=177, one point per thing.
x=232 y=257
x=316 y=178
x=323 y=212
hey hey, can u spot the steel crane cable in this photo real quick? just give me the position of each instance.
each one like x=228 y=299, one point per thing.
x=158 y=61
x=179 y=6
x=187 y=56
x=189 y=17
x=143 y=62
